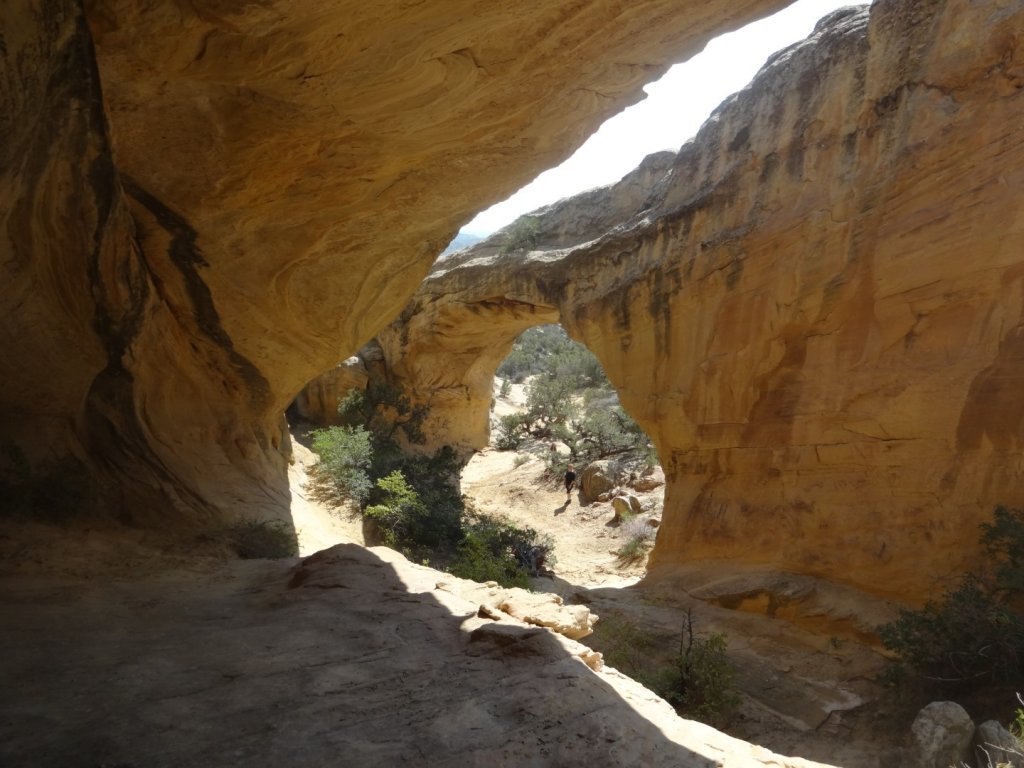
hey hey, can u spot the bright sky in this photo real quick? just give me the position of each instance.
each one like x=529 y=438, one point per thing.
x=674 y=109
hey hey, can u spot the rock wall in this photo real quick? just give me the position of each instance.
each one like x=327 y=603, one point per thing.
x=817 y=313
x=204 y=205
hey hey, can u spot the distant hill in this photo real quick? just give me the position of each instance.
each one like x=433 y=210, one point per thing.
x=462 y=240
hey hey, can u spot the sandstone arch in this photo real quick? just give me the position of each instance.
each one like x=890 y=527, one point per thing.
x=203 y=205
x=832 y=386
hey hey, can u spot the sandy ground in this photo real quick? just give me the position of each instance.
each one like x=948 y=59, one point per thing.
x=585 y=537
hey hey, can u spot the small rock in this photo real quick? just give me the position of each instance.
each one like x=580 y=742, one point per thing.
x=598 y=477
x=650 y=480
x=941 y=735
x=634 y=504
x=622 y=508
x=994 y=745
x=653 y=522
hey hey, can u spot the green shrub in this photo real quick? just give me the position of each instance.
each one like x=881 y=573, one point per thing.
x=399 y=509
x=697 y=679
x=262 y=539
x=607 y=430
x=633 y=551
x=511 y=431
x=569 y=399
x=522 y=235
x=414 y=501
x=699 y=682
x=974 y=634
x=498 y=547
x=506 y=388
x=532 y=351
x=638 y=538
x=342 y=472
x=435 y=480
x=478 y=561
x=384 y=410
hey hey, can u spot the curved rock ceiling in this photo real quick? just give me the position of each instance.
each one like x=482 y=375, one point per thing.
x=205 y=204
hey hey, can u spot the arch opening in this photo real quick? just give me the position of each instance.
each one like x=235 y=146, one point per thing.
x=554 y=411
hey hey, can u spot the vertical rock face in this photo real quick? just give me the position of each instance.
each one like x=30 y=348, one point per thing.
x=817 y=312
x=829 y=359
x=204 y=205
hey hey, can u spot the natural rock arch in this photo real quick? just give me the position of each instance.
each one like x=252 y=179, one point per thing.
x=203 y=205
x=788 y=313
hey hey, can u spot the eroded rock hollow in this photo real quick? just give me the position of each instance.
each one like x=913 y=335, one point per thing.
x=204 y=205
x=815 y=311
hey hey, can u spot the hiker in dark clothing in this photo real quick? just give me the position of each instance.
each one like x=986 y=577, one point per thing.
x=570 y=480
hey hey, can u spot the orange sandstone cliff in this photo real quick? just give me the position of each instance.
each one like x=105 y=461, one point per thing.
x=816 y=311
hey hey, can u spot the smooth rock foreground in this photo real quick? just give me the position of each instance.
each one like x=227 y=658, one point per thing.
x=351 y=657
x=815 y=309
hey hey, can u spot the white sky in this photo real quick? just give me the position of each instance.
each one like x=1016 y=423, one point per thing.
x=674 y=109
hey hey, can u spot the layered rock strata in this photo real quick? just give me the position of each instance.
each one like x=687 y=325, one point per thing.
x=204 y=205
x=816 y=313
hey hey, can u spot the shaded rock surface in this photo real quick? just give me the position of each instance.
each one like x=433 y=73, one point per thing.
x=996 y=746
x=353 y=655
x=790 y=312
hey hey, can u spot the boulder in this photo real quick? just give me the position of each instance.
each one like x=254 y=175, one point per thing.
x=650 y=480
x=941 y=736
x=597 y=478
x=996 y=746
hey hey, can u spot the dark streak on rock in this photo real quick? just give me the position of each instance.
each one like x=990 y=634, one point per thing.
x=185 y=254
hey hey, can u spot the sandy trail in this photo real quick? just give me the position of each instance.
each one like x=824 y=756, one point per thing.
x=585 y=538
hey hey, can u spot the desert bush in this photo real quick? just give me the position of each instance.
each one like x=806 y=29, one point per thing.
x=398 y=511
x=608 y=431
x=262 y=539
x=342 y=474
x=495 y=549
x=638 y=535
x=506 y=388
x=414 y=501
x=522 y=235
x=478 y=561
x=696 y=678
x=699 y=681
x=384 y=410
x=974 y=634
x=633 y=551
x=569 y=399
x=532 y=351
x=520 y=460
x=512 y=430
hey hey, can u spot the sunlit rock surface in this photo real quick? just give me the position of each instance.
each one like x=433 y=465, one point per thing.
x=205 y=205
x=816 y=313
